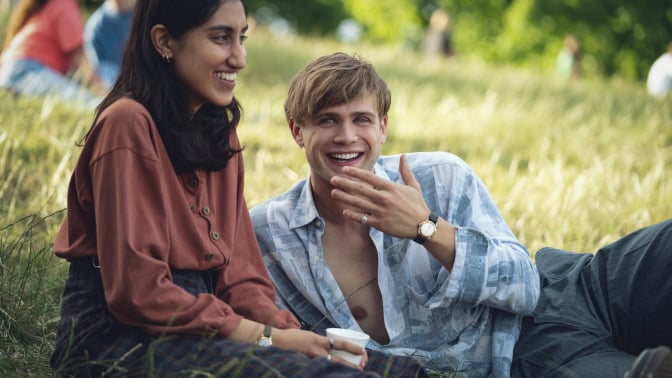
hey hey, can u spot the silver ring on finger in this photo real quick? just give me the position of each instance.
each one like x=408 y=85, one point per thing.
x=364 y=219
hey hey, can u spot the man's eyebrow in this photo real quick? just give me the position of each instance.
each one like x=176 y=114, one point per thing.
x=364 y=112
x=324 y=114
x=337 y=114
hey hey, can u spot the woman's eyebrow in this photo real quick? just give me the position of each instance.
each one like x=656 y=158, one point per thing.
x=227 y=28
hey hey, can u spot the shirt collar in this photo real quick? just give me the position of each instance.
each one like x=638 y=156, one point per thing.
x=304 y=210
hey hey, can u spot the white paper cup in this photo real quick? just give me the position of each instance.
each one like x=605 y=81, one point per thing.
x=354 y=337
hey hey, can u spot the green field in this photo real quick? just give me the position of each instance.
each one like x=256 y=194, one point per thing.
x=571 y=164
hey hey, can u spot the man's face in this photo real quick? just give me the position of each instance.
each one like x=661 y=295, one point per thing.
x=349 y=134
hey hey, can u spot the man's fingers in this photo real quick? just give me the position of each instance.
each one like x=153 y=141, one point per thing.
x=406 y=173
x=365 y=176
x=361 y=203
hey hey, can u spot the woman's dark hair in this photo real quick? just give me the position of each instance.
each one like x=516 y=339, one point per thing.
x=193 y=141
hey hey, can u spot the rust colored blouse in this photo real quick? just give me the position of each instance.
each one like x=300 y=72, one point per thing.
x=128 y=208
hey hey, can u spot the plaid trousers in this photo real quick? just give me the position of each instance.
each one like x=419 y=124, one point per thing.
x=90 y=342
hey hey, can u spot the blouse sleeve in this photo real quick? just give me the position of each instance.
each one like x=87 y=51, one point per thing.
x=248 y=286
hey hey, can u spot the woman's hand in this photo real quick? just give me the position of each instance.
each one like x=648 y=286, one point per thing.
x=309 y=343
x=314 y=345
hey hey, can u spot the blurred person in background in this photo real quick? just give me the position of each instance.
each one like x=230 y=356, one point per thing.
x=105 y=35
x=568 y=61
x=437 y=40
x=659 y=80
x=43 y=52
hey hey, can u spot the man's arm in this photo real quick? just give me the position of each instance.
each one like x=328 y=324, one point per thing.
x=487 y=264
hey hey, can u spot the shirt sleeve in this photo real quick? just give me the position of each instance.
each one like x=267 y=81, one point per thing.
x=491 y=266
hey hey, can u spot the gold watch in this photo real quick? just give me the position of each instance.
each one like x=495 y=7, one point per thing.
x=265 y=338
x=427 y=228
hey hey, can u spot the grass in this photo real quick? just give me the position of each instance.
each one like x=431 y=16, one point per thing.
x=572 y=165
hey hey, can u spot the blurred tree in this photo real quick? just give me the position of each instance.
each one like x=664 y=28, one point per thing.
x=316 y=17
x=476 y=23
x=617 y=37
x=386 y=23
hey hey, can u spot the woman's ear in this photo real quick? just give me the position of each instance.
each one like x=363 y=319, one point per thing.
x=162 y=41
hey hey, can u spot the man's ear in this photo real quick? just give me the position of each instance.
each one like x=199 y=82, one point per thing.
x=162 y=41
x=297 y=131
x=383 y=129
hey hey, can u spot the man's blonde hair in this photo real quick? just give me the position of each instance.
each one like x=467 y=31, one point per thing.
x=334 y=80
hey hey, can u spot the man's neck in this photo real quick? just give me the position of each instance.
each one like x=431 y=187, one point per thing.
x=329 y=208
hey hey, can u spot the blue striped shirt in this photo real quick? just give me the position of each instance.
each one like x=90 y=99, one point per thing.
x=463 y=321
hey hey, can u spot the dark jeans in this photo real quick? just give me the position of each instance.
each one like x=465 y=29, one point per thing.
x=90 y=342
x=598 y=312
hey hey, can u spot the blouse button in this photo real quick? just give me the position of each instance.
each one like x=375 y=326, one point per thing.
x=209 y=257
x=205 y=211
x=215 y=236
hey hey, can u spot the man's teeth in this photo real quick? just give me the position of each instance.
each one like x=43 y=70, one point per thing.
x=348 y=156
x=226 y=76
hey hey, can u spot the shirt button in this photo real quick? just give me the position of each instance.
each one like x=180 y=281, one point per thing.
x=227 y=261
x=209 y=257
x=318 y=223
x=193 y=183
x=205 y=211
x=215 y=236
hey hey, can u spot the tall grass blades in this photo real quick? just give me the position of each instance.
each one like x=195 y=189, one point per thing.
x=30 y=287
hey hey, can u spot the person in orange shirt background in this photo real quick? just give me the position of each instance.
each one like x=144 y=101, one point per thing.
x=43 y=52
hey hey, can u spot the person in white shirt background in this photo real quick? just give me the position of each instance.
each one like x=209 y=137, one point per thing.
x=659 y=80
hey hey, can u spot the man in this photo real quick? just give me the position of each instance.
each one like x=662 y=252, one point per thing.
x=410 y=249
x=453 y=297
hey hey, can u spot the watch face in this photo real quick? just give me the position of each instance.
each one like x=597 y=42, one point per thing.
x=427 y=229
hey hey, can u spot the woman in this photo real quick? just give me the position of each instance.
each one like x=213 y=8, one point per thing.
x=165 y=273
x=43 y=52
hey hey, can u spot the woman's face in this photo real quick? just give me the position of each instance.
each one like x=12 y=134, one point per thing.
x=207 y=58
